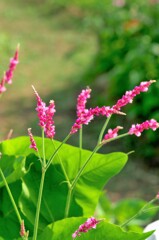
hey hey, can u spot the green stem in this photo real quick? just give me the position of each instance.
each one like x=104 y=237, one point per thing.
x=39 y=205
x=68 y=202
x=142 y=210
x=56 y=151
x=11 y=197
x=113 y=139
x=103 y=129
x=84 y=165
x=80 y=137
x=80 y=146
x=43 y=147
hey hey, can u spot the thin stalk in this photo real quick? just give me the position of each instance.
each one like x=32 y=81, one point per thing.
x=43 y=171
x=152 y=208
x=43 y=147
x=103 y=129
x=36 y=223
x=80 y=137
x=142 y=210
x=63 y=168
x=69 y=196
x=113 y=139
x=84 y=165
x=56 y=151
x=11 y=196
x=80 y=142
x=68 y=202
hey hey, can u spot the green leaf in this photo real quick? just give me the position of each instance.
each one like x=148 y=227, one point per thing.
x=9 y=223
x=127 y=208
x=13 y=168
x=100 y=169
x=64 y=229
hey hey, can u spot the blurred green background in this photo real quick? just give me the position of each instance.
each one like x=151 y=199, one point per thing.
x=66 y=45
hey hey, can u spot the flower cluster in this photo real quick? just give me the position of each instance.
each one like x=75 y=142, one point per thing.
x=129 y=95
x=139 y=128
x=33 y=143
x=85 y=227
x=8 y=75
x=45 y=115
x=112 y=133
x=84 y=116
x=82 y=100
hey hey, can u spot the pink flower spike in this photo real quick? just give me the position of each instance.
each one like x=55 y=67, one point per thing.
x=41 y=110
x=139 y=128
x=82 y=100
x=13 y=62
x=50 y=128
x=104 y=111
x=84 y=119
x=129 y=95
x=33 y=144
x=85 y=227
x=112 y=133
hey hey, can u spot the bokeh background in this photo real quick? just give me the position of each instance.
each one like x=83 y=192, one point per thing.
x=66 y=45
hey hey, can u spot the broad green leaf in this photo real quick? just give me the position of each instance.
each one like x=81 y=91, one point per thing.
x=100 y=169
x=64 y=229
x=12 y=167
x=9 y=223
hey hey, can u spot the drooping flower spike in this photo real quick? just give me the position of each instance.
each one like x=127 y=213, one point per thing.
x=45 y=115
x=139 y=128
x=129 y=95
x=32 y=141
x=85 y=227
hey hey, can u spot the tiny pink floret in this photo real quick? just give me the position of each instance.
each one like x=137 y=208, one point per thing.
x=112 y=133
x=139 y=128
x=33 y=143
x=129 y=95
x=85 y=227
